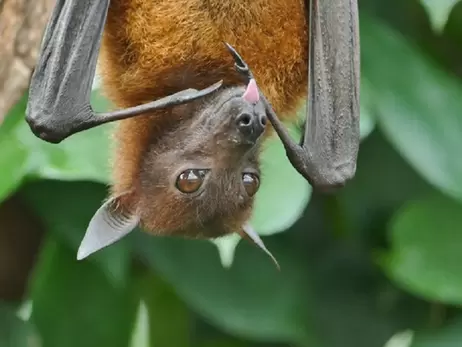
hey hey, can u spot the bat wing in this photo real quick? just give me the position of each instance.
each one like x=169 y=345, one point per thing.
x=60 y=87
x=332 y=135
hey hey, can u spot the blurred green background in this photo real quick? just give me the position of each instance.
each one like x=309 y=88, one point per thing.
x=377 y=264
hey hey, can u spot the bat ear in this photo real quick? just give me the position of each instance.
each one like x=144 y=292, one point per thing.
x=248 y=233
x=107 y=226
x=251 y=94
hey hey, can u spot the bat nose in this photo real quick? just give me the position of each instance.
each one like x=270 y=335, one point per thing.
x=251 y=125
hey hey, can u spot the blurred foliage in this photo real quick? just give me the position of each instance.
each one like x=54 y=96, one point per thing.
x=376 y=264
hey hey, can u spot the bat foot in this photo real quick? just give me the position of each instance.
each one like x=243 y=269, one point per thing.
x=44 y=130
x=323 y=179
x=52 y=130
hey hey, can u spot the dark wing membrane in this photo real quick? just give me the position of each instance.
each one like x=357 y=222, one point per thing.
x=60 y=88
x=332 y=129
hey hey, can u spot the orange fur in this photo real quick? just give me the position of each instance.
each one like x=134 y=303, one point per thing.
x=152 y=48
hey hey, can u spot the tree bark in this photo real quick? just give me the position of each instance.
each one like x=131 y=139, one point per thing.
x=22 y=23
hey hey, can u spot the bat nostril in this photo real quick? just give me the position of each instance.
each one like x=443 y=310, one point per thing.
x=244 y=120
x=263 y=120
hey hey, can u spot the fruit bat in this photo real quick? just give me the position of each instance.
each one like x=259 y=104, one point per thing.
x=59 y=106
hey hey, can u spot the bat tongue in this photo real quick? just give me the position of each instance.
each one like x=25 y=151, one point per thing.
x=251 y=93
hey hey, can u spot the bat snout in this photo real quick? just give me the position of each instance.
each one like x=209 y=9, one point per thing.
x=251 y=125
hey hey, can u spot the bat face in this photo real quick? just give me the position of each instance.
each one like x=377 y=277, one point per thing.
x=200 y=179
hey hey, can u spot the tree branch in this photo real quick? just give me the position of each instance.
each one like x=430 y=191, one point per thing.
x=22 y=23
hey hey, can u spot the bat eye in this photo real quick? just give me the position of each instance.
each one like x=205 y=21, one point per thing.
x=189 y=181
x=251 y=183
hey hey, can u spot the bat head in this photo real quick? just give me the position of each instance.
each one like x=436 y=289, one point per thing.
x=198 y=180
x=203 y=174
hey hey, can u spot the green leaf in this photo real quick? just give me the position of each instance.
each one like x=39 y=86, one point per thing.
x=140 y=335
x=438 y=11
x=74 y=305
x=66 y=209
x=13 y=161
x=351 y=296
x=323 y=293
x=425 y=258
x=14 y=117
x=226 y=246
x=83 y=156
x=251 y=299
x=418 y=105
x=448 y=336
x=166 y=316
x=283 y=194
x=383 y=183
x=13 y=154
x=401 y=339
x=224 y=342
x=14 y=332
x=367 y=110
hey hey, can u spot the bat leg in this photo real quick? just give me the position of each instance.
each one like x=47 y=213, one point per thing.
x=328 y=152
x=59 y=93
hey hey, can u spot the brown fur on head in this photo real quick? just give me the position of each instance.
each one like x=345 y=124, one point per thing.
x=215 y=137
